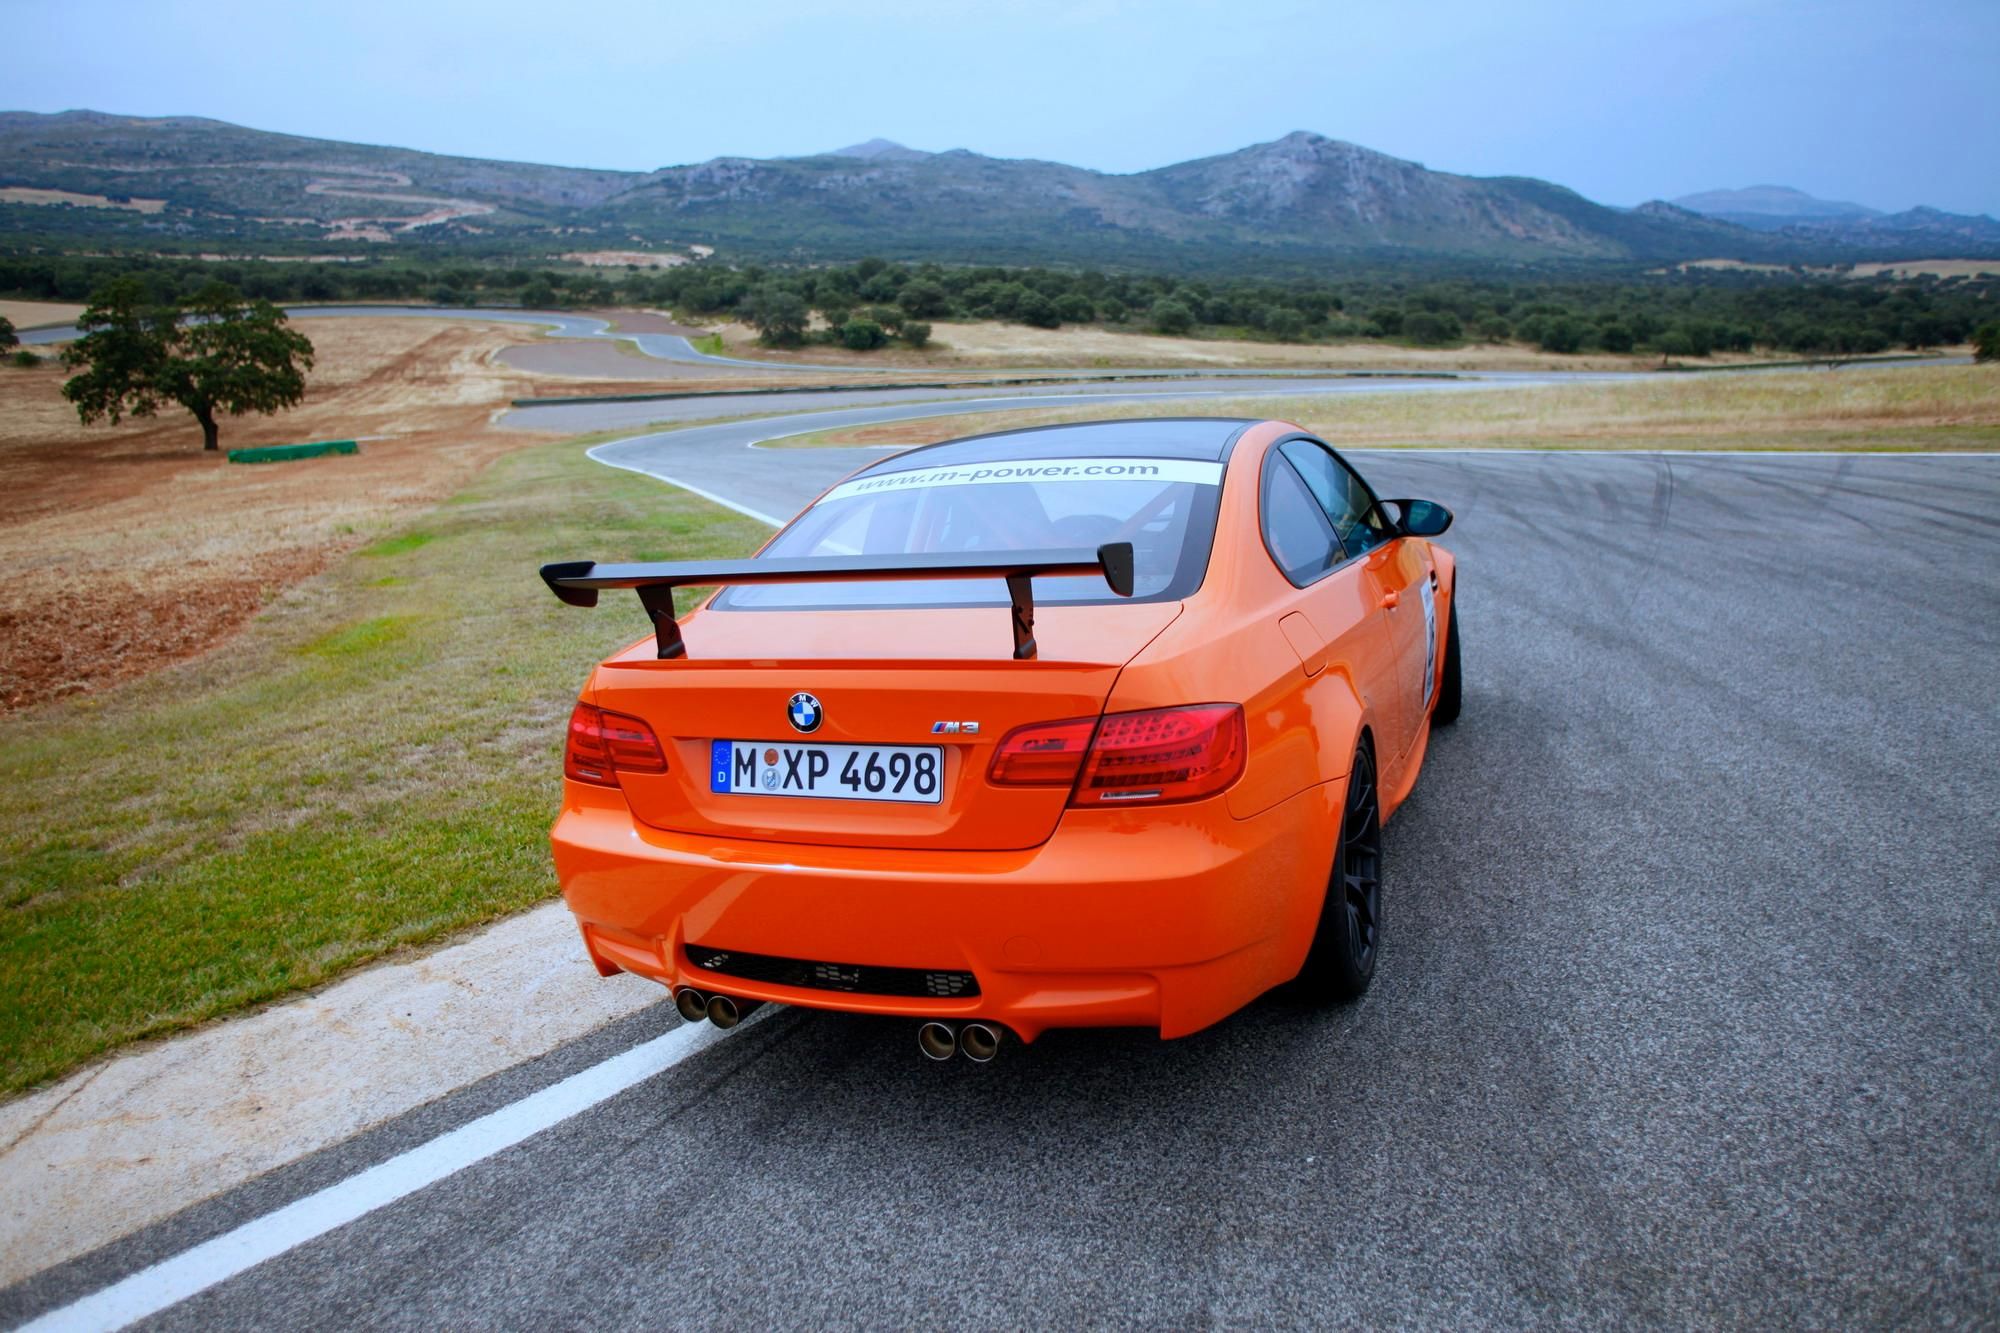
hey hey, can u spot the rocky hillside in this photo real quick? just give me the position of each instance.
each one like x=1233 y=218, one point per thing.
x=1772 y=207
x=1303 y=199
x=1302 y=195
x=1805 y=220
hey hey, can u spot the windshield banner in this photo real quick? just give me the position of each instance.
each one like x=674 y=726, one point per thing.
x=1035 y=470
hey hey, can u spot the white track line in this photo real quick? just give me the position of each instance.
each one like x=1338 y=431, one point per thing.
x=711 y=496
x=171 y=1281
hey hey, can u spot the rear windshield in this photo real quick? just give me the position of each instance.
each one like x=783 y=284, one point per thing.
x=1164 y=506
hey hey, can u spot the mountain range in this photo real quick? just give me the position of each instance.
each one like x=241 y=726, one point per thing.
x=1302 y=199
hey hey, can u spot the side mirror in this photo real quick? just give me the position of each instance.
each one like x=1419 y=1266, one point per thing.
x=1415 y=518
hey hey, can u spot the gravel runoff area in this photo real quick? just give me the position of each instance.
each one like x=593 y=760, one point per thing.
x=1686 y=1013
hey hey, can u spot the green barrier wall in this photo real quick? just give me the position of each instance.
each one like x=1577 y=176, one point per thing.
x=285 y=453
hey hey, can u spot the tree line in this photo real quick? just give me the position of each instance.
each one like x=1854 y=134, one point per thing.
x=867 y=304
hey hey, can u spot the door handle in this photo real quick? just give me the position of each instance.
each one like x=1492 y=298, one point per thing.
x=1391 y=599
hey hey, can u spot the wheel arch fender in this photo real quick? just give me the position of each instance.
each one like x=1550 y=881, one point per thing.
x=1302 y=739
x=1447 y=573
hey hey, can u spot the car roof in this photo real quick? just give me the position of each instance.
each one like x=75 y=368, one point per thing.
x=1205 y=438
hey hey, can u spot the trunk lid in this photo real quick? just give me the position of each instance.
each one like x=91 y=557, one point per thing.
x=882 y=678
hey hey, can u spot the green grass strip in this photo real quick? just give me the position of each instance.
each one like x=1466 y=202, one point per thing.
x=372 y=763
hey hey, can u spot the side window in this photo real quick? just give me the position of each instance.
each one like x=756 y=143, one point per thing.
x=1340 y=493
x=1295 y=528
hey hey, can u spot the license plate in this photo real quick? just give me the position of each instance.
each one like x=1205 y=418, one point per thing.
x=912 y=774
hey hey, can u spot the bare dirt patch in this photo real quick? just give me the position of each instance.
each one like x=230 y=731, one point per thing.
x=1732 y=265
x=625 y=259
x=1941 y=268
x=124 y=548
x=28 y=194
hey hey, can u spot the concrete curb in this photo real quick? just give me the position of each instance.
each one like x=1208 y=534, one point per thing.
x=122 y=1144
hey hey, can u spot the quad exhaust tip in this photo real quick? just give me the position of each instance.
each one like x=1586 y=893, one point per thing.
x=938 y=1041
x=726 y=1013
x=691 y=1003
x=979 y=1041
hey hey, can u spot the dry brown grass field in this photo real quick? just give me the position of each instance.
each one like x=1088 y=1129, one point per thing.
x=26 y=194
x=1854 y=408
x=28 y=314
x=131 y=549
x=1942 y=268
x=128 y=548
x=991 y=343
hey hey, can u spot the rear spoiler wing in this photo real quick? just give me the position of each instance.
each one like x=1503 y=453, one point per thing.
x=577 y=582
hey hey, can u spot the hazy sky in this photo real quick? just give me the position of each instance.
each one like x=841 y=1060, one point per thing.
x=1890 y=104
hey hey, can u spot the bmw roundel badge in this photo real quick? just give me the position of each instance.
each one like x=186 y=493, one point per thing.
x=805 y=712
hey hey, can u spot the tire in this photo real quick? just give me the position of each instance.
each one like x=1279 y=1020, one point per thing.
x=1348 y=938
x=1445 y=711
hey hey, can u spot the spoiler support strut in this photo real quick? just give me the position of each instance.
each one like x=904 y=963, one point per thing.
x=577 y=582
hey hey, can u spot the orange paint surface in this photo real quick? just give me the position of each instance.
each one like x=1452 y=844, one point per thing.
x=1166 y=914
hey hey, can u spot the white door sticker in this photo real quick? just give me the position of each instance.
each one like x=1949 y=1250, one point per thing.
x=1429 y=596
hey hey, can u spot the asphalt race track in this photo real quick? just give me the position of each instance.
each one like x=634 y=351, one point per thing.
x=1688 y=1014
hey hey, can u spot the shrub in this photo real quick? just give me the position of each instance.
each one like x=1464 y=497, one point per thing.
x=1986 y=342
x=1674 y=342
x=1171 y=317
x=883 y=286
x=1037 y=310
x=862 y=335
x=1285 y=324
x=26 y=359
x=1561 y=334
x=1006 y=299
x=1423 y=326
x=922 y=299
x=916 y=333
x=1075 y=308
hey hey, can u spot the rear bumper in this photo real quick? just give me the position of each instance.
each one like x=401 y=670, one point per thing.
x=1172 y=918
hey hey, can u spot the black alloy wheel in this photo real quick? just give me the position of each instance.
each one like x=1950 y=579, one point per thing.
x=1349 y=938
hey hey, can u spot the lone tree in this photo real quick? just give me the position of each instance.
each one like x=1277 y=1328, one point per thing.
x=8 y=338
x=1986 y=342
x=778 y=314
x=215 y=353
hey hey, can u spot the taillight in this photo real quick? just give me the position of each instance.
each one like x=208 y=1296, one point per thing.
x=1164 y=754
x=1042 y=754
x=1152 y=757
x=601 y=743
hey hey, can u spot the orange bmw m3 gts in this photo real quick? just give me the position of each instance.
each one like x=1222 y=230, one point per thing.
x=1089 y=725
